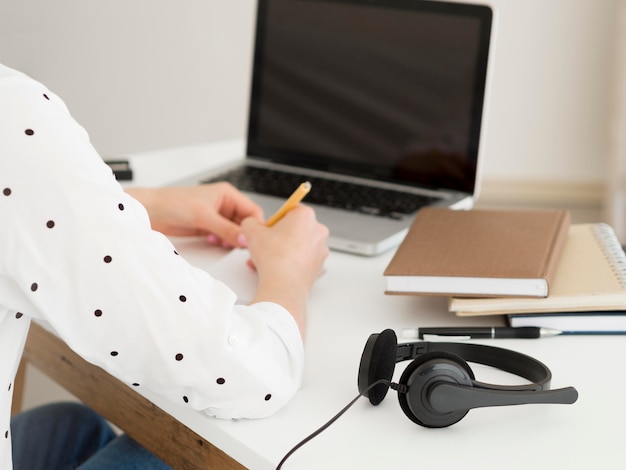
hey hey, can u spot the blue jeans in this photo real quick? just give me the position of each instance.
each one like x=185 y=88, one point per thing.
x=68 y=436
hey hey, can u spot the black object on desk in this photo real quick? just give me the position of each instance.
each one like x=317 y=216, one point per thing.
x=528 y=332
x=121 y=169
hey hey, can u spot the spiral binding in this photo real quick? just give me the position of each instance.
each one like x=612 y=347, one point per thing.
x=612 y=250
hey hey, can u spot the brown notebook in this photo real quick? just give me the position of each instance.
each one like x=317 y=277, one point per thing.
x=486 y=253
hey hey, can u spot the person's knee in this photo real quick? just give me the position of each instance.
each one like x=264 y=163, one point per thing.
x=124 y=453
x=71 y=417
x=65 y=434
x=85 y=421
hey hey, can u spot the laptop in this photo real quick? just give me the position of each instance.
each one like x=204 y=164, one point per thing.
x=378 y=103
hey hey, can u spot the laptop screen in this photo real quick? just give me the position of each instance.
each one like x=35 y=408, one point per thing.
x=386 y=89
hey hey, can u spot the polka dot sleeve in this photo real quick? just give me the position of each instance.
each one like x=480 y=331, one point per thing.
x=78 y=252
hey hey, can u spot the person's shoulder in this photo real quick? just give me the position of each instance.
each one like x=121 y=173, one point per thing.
x=15 y=86
x=9 y=73
x=13 y=82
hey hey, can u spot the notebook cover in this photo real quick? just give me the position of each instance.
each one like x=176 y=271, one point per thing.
x=479 y=244
x=591 y=276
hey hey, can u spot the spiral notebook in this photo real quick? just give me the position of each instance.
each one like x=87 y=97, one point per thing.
x=590 y=279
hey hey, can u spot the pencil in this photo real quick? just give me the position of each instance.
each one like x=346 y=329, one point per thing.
x=290 y=203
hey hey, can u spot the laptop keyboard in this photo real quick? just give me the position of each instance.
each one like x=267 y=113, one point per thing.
x=326 y=192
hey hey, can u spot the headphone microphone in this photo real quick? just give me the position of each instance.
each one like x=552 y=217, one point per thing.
x=438 y=388
x=447 y=397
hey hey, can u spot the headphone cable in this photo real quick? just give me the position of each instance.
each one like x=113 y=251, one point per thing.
x=332 y=420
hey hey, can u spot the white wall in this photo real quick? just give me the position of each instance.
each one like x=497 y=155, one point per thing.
x=147 y=74
x=138 y=74
x=551 y=91
x=616 y=195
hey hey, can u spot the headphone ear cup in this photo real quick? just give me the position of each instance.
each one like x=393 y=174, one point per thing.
x=377 y=362
x=423 y=372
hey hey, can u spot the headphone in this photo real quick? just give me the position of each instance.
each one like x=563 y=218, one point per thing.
x=438 y=388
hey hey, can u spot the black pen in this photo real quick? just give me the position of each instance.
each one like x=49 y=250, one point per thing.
x=492 y=332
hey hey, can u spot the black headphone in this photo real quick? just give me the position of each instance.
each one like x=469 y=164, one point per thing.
x=438 y=388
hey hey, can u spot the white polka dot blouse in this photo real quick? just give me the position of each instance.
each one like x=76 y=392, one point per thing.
x=78 y=253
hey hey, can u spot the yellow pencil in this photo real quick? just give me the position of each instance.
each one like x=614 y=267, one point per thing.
x=290 y=203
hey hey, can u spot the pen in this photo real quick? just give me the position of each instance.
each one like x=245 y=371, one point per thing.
x=290 y=203
x=493 y=332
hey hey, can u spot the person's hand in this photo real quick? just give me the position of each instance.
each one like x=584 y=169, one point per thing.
x=288 y=257
x=212 y=210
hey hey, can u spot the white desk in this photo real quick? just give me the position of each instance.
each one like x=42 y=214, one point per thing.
x=346 y=306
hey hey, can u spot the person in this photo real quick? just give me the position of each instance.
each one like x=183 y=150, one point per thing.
x=93 y=261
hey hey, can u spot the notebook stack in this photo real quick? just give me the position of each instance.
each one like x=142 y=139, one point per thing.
x=534 y=267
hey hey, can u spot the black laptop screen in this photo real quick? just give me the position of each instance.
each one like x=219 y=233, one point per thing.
x=387 y=89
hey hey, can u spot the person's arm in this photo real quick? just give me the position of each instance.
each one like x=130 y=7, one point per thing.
x=211 y=210
x=288 y=257
x=79 y=252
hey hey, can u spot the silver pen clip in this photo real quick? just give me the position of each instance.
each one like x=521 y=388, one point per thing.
x=444 y=338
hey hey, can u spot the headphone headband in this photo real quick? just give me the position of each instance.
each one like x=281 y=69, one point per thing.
x=509 y=361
